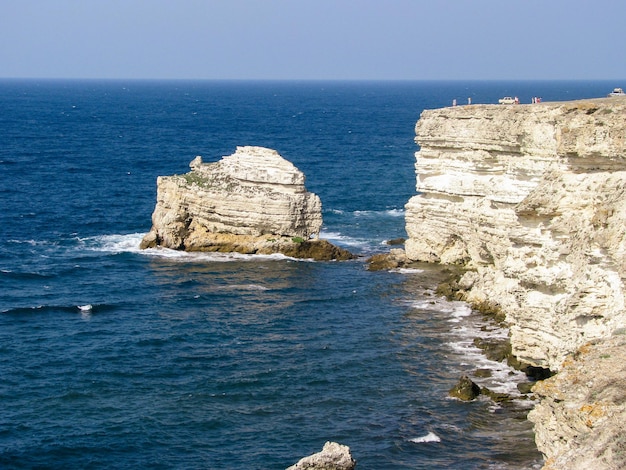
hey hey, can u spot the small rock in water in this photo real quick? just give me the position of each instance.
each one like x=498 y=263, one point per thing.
x=483 y=373
x=332 y=457
x=465 y=389
x=525 y=387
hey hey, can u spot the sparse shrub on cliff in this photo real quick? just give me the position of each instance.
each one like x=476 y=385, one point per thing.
x=197 y=179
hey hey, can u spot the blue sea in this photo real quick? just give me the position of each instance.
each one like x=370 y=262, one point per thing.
x=115 y=358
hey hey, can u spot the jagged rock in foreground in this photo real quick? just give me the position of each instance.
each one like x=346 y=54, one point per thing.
x=332 y=457
x=579 y=421
x=252 y=202
x=531 y=199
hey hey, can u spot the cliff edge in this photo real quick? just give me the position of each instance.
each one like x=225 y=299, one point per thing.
x=253 y=201
x=531 y=199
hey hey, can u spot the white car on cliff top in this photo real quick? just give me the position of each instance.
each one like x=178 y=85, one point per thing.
x=508 y=100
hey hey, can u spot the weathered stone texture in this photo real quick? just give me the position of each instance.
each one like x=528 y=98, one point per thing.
x=579 y=420
x=332 y=457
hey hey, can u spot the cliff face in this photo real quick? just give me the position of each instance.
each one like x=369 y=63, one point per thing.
x=253 y=201
x=533 y=199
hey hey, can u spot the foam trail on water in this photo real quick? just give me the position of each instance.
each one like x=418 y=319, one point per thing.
x=129 y=243
x=430 y=437
x=339 y=239
x=126 y=243
x=464 y=328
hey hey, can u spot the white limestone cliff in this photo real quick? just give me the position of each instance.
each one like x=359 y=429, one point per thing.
x=531 y=199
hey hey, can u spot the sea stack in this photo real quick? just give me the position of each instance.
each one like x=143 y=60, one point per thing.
x=531 y=200
x=253 y=201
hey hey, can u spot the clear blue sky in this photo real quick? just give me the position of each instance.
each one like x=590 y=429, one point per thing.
x=314 y=39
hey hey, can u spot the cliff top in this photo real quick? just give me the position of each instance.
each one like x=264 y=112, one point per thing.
x=591 y=127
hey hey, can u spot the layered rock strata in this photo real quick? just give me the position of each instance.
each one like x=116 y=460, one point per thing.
x=253 y=201
x=531 y=200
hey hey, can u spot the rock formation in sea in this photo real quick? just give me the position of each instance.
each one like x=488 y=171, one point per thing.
x=253 y=201
x=531 y=200
x=332 y=457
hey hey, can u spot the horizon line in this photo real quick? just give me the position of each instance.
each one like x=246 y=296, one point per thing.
x=147 y=79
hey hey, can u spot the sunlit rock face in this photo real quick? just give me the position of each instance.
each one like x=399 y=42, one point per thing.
x=531 y=198
x=253 y=196
x=580 y=413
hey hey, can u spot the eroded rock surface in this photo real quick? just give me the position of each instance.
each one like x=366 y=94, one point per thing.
x=579 y=420
x=332 y=457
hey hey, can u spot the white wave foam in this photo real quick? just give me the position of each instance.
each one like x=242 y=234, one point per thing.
x=502 y=378
x=128 y=243
x=454 y=309
x=251 y=287
x=32 y=242
x=85 y=311
x=464 y=328
x=185 y=256
x=395 y=212
x=340 y=239
x=407 y=270
x=430 y=437
x=459 y=311
x=332 y=235
x=389 y=212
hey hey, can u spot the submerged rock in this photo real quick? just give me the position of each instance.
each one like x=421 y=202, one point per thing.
x=332 y=457
x=253 y=201
x=465 y=389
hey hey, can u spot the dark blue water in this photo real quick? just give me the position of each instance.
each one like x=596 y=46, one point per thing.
x=228 y=362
